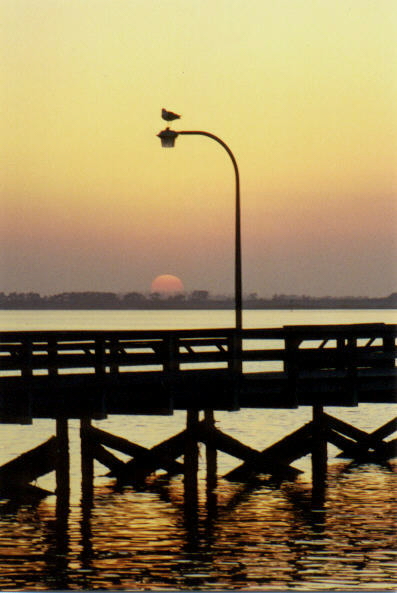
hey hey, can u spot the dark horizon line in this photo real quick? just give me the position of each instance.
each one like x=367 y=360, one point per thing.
x=195 y=300
x=193 y=294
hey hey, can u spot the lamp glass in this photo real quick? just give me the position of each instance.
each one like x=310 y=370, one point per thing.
x=167 y=138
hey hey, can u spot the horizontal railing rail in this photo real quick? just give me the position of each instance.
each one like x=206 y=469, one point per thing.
x=295 y=348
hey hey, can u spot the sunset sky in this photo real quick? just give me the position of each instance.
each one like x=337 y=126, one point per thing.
x=303 y=91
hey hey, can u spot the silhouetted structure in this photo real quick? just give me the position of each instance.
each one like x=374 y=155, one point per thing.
x=198 y=299
x=89 y=374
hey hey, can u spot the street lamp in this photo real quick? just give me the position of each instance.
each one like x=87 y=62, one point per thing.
x=168 y=138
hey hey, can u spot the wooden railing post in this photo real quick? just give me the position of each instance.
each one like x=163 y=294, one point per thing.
x=291 y=365
x=171 y=353
x=351 y=368
x=340 y=354
x=235 y=363
x=389 y=348
x=100 y=367
x=52 y=356
x=114 y=350
x=27 y=356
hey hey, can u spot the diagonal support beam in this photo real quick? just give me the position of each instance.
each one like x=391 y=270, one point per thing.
x=107 y=458
x=295 y=445
x=30 y=465
x=359 y=443
x=255 y=461
x=145 y=461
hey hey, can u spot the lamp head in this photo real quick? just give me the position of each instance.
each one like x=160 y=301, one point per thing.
x=167 y=138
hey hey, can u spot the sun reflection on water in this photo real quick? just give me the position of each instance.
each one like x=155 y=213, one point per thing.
x=255 y=536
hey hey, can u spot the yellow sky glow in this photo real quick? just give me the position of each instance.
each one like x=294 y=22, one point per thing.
x=303 y=91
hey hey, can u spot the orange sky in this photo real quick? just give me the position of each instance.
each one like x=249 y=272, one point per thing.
x=303 y=91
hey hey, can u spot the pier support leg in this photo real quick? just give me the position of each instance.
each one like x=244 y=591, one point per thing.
x=190 y=472
x=62 y=464
x=211 y=465
x=62 y=478
x=210 y=453
x=87 y=466
x=191 y=456
x=87 y=490
x=319 y=457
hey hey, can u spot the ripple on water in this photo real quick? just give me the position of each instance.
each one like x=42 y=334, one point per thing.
x=262 y=537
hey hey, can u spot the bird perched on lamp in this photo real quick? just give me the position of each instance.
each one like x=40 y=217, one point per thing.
x=169 y=115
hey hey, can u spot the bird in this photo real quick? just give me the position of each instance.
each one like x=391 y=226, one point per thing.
x=169 y=115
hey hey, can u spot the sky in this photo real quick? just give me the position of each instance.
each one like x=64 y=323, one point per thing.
x=304 y=92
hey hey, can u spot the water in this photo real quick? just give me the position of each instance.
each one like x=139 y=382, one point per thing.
x=261 y=536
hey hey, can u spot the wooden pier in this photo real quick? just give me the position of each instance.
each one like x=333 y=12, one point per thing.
x=80 y=373
x=92 y=374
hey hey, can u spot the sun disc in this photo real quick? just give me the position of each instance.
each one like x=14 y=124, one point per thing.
x=167 y=284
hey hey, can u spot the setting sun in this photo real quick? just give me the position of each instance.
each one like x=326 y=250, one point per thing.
x=167 y=284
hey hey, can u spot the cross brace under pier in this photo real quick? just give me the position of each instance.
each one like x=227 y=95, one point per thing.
x=312 y=438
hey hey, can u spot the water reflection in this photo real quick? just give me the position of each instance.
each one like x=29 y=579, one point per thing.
x=261 y=535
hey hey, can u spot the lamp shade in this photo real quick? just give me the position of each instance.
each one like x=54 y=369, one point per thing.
x=167 y=138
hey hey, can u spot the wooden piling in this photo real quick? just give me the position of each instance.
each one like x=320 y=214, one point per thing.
x=87 y=490
x=210 y=453
x=62 y=478
x=319 y=457
x=87 y=463
x=191 y=459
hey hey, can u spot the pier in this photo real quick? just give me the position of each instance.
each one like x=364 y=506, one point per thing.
x=92 y=374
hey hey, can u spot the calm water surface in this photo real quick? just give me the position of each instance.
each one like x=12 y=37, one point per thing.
x=261 y=536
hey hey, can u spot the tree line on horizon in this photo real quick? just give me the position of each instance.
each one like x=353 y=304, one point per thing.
x=200 y=299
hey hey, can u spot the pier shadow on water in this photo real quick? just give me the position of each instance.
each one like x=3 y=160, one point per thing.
x=201 y=531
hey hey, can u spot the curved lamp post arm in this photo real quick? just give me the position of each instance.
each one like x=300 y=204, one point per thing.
x=168 y=138
x=238 y=275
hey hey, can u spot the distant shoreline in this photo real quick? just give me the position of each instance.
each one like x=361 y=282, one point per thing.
x=198 y=300
x=190 y=307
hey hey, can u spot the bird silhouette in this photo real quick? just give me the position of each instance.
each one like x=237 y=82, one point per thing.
x=169 y=115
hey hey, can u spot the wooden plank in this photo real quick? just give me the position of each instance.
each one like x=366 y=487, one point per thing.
x=107 y=459
x=390 y=449
x=30 y=465
x=255 y=461
x=363 y=441
x=147 y=460
x=350 y=449
x=115 y=442
x=172 y=447
x=286 y=450
x=22 y=494
x=384 y=430
x=287 y=447
x=344 y=428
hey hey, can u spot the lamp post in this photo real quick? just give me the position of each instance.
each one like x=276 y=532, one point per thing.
x=168 y=138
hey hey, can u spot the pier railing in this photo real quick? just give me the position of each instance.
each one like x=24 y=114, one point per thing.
x=291 y=349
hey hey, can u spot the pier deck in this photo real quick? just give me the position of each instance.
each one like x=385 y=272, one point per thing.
x=91 y=374
x=95 y=373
